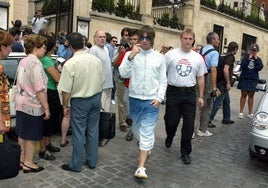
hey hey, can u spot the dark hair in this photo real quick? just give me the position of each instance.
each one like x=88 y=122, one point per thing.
x=5 y=38
x=14 y=31
x=125 y=29
x=51 y=43
x=33 y=41
x=210 y=36
x=232 y=46
x=42 y=32
x=27 y=31
x=17 y=23
x=88 y=44
x=76 y=40
x=133 y=31
x=150 y=32
x=108 y=37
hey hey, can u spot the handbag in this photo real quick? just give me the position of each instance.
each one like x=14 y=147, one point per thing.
x=12 y=97
x=10 y=158
x=107 y=126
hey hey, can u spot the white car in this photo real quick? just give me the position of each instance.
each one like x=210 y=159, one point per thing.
x=258 y=140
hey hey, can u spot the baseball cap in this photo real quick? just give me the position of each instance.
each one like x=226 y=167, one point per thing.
x=255 y=47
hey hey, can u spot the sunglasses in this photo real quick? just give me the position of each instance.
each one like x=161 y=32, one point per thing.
x=114 y=41
x=147 y=38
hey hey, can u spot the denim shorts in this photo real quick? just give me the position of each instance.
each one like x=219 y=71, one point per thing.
x=144 y=119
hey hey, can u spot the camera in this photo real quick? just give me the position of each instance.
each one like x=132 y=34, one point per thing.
x=125 y=45
x=213 y=93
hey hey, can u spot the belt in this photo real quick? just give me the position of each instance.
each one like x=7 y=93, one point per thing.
x=183 y=89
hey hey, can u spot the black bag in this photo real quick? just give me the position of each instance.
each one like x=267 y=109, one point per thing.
x=9 y=158
x=107 y=125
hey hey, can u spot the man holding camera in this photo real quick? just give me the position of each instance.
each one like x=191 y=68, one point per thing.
x=38 y=22
x=211 y=90
x=120 y=82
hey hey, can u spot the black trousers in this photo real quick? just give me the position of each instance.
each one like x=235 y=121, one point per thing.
x=181 y=103
x=53 y=124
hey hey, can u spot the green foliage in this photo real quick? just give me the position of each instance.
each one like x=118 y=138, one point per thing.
x=160 y=2
x=173 y=23
x=120 y=10
x=110 y=6
x=98 y=5
x=209 y=3
x=253 y=18
x=51 y=6
x=164 y=20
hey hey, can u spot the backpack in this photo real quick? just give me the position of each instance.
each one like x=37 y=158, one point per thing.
x=220 y=67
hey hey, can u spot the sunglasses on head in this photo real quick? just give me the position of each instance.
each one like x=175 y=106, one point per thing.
x=147 y=38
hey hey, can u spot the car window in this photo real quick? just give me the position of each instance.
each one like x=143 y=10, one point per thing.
x=10 y=67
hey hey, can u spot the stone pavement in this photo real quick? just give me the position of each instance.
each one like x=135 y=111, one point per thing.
x=220 y=161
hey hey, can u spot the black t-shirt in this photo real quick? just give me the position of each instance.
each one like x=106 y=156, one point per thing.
x=229 y=60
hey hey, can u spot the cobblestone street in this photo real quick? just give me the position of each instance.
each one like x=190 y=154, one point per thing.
x=219 y=161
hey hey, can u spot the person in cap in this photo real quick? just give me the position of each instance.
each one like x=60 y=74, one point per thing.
x=250 y=65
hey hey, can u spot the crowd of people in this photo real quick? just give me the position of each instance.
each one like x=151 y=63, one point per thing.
x=131 y=69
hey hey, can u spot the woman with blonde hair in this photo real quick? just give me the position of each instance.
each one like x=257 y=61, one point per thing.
x=31 y=101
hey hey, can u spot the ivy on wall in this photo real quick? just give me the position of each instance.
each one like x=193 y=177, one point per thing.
x=121 y=9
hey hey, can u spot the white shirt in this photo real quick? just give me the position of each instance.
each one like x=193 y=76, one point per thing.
x=184 y=67
x=38 y=24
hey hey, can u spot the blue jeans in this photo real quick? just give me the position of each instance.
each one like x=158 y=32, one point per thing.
x=85 y=113
x=224 y=101
x=144 y=118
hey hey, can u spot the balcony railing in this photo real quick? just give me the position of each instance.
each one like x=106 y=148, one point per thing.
x=121 y=8
x=246 y=11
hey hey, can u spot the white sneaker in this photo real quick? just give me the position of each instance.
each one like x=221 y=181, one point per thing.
x=140 y=173
x=193 y=135
x=112 y=101
x=250 y=116
x=240 y=115
x=206 y=133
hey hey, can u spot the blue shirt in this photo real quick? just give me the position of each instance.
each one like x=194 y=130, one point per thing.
x=212 y=57
x=64 y=52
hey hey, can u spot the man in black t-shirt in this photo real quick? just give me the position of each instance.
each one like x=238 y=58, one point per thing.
x=225 y=85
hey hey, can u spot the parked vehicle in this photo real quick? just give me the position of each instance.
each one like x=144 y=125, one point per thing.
x=10 y=65
x=258 y=139
x=236 y=72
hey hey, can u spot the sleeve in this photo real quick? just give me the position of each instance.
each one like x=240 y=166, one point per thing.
x=37 y=77
x=214 y=58
x=162 y=80
x=229 y=60
x=66 y=78
x=47 y=62
x=126 y=66
x=244 y=63
x=259 y=64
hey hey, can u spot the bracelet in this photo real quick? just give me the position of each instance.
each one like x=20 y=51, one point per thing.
x=201 y=97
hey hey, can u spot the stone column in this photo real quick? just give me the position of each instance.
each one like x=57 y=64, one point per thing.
x=188 y=13
x=146 y=11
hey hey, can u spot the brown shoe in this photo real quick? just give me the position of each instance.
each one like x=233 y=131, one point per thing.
x=123 y=128
x=129 y=121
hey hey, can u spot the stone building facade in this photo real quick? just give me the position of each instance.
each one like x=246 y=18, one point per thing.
x=202 y=19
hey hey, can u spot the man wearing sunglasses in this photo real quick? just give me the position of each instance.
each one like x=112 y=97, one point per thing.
x=147 y=72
